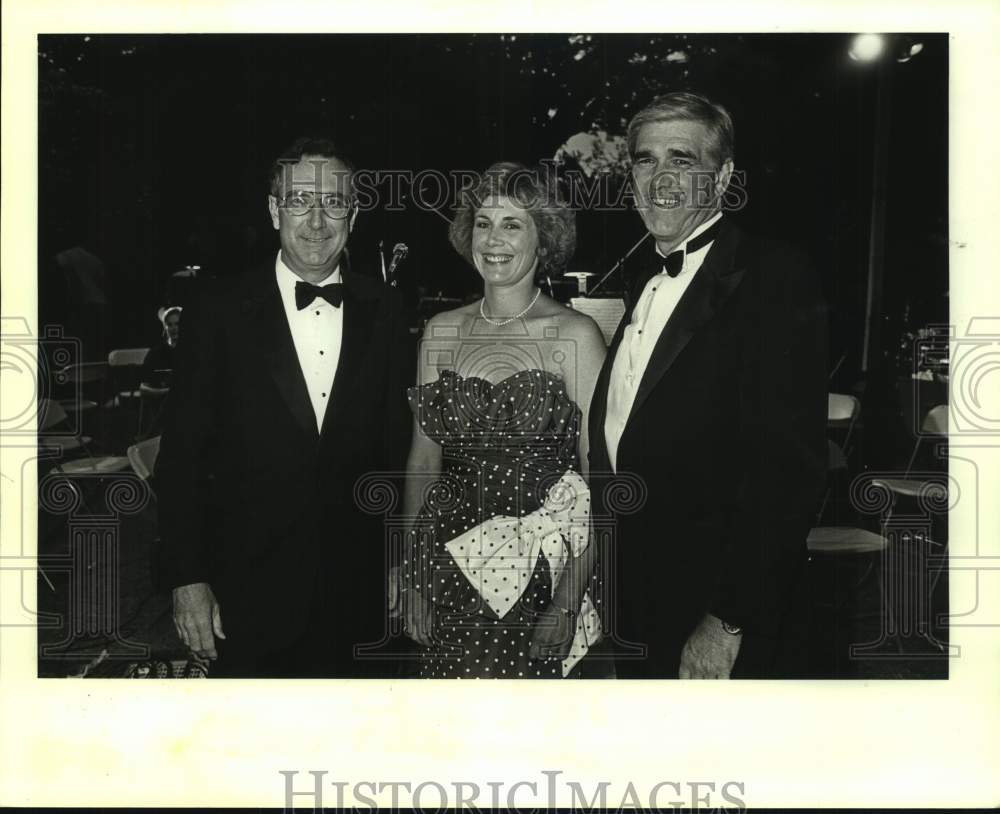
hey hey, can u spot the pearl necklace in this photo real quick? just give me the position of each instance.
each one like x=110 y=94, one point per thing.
x=498 y=323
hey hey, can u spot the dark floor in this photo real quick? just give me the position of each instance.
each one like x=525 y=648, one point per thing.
x=77 y=614
x=79 y=617
x=855 y=638
x=846 y=612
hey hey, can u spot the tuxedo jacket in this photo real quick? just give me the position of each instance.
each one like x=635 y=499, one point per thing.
x=252 y=498
x=723 y=456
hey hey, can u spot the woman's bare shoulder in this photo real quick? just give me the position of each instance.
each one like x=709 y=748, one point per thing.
x=455 y=318
x=441 y=340
x=570 y=323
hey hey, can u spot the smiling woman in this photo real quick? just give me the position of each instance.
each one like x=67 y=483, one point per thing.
x=535 y=196
x=502 y=400
x=504 y=241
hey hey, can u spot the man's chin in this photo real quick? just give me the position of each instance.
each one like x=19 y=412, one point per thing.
x=315 y=263
x=319 y=257
x=664 y=233
x=668 y=229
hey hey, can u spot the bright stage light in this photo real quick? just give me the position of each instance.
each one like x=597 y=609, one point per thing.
x=910 y=51
x=867 y=47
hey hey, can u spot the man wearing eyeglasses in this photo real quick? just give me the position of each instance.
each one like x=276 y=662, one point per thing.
x=285 y=396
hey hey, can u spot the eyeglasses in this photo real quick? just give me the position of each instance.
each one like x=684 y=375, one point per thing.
x=333 y=204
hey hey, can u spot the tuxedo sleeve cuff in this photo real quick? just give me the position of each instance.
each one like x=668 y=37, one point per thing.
x=170 y=575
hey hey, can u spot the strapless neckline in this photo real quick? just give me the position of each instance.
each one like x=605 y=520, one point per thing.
x=521 y=373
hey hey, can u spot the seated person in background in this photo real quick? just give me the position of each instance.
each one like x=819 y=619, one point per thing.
x=160 y=359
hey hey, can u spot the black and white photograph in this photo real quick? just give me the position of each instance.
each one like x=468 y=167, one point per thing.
x=611 y=331
x=360 y=360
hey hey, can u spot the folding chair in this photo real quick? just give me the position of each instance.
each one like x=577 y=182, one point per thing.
x=126 y=365
x=836 y=465
x=78 y=375
x=840 y=539
x=833 y=545
x=142 y=456
x=125 y=357
x=934 y=425
x=842 y=415
x=841 y=407
x=150 y=404
x=929 y=491
x=51 y=415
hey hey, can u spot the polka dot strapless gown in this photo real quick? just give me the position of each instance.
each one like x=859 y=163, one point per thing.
x=504 y=446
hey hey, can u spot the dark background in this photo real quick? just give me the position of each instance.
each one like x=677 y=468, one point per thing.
x=154 y=152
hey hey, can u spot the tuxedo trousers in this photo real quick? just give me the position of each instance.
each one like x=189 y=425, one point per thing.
x=343 y=609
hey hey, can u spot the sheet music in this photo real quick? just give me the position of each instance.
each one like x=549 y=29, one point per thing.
x=607 y=312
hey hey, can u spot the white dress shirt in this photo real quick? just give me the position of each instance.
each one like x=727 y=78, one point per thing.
x=317 y=331
x=652 y=310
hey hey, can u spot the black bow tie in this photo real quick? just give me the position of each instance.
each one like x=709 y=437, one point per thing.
x=305 y=293
x=673 y=263
x=655 y=263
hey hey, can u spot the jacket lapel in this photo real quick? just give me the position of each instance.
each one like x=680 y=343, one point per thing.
x=273 y=339
x=714 y=282
x=360 y=306
x=599 y=459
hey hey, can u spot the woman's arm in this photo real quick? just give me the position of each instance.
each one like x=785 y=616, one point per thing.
x=423 y=464
x=581 y=378
x=423 y=467
x=580 y=384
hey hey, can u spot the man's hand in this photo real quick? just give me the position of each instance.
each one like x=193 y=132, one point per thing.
x=197 y=617
x=395 y=595
x=553 y=635
x=710 y=652
x=418 y=618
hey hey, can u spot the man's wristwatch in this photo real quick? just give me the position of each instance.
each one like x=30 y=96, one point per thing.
x=732 y=630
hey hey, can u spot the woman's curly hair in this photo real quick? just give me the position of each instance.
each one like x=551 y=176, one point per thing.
x=532 y=190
